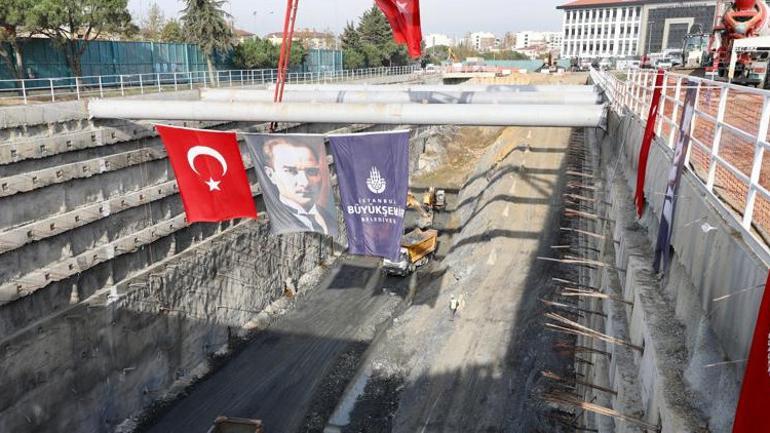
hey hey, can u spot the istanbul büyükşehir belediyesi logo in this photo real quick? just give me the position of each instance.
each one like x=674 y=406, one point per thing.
x=375 y=182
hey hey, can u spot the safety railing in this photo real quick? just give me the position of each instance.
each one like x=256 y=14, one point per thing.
x=74 y=88
x=728 y=134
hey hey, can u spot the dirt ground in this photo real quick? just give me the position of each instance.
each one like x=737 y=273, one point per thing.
x=462 y=148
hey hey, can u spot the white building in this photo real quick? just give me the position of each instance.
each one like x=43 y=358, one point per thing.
x=482 y=41
x=435 y=39
x=601 y=28
x=630 y=28
x=554 y=40
x=310 y=38
x=527 y=39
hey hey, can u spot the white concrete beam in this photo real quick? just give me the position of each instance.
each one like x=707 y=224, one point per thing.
x=414 y=114
x=404 y=97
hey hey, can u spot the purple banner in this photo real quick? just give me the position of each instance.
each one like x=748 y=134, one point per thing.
x=663 y=246
x=373 y=174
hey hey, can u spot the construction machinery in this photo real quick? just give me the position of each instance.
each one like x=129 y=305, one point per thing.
x=434 y=198
x=736 y=48
x=425 y=215
x=417 y=247
x=695 y=50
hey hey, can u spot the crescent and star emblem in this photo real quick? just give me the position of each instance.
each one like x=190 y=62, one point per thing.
x=197 y=151
x=401 y=5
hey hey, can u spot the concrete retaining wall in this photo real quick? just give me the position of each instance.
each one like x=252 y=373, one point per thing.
x=98 y=335
x=695 y=323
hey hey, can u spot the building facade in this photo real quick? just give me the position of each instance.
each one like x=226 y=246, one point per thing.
x=630 y=28
x=548 y=40
x=482 y=41
x=669 y=23
x=437 y=39
x=310 y=38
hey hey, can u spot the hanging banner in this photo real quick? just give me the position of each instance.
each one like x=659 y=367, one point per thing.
x=751 y=414
x=294 y=175
x=209 y=172
x=663 y=246
x=373 y=174
x=649 y=134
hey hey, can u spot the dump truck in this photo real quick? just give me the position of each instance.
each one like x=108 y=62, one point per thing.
x=228 y=424
x=434 y=198
x=417 y=247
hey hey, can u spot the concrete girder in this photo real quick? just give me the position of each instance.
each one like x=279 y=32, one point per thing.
x=448 y=96
x=391 y=114
x=498 y=88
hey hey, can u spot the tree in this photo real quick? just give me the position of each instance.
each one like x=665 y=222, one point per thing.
x=13 y=16
x=261 y=53
x=374 y=27
x=371 y=42
x=205 y=24
x=255 y=53
x=71 y=24
x=153 y=23
x=297 y=55
x=353 y=59
x=172 y=32
x=350 y=38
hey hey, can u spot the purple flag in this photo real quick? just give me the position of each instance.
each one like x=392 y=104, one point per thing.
x=373 y=174
x=663 y=247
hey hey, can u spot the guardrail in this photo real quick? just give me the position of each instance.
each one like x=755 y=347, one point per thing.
x=729 y=135
x=69 y=88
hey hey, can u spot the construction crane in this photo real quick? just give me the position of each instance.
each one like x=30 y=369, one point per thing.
x=737 y=46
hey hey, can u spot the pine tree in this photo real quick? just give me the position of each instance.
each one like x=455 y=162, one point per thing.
x=205 y=24
x=374 y=28
x=350 y=37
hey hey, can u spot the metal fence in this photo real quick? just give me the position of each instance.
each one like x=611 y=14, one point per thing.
x=729 y=135
x=69 y=88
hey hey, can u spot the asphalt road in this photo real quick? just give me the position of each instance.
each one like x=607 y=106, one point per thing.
x=276 y=376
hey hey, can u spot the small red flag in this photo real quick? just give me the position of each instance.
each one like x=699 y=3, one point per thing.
x=753 y=404
x=404 y=19
x=649 y=134
x=210 y=173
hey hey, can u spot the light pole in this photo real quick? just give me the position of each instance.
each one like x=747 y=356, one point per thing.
x=649 y=36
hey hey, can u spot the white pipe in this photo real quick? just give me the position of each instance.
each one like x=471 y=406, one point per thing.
x=404 y=97
x=401 y=114
x=438 y=88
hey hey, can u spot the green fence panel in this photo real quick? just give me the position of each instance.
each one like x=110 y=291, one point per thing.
x=43 y=59
x=319 y=60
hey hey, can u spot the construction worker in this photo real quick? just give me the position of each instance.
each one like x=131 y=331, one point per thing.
x=453 y=305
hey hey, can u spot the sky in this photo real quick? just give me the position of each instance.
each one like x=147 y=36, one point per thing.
x=451 y=17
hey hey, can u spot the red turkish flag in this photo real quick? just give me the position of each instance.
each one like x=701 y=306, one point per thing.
x=210 y=174
x=753 y=404
x=404 y=19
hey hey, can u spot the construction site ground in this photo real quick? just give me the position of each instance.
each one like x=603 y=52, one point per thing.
x=419 y=367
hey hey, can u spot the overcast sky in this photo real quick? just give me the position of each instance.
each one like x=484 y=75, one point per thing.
x=453 y=17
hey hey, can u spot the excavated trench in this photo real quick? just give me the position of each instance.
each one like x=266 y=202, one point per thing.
x=365 y=352
x=172 y=329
